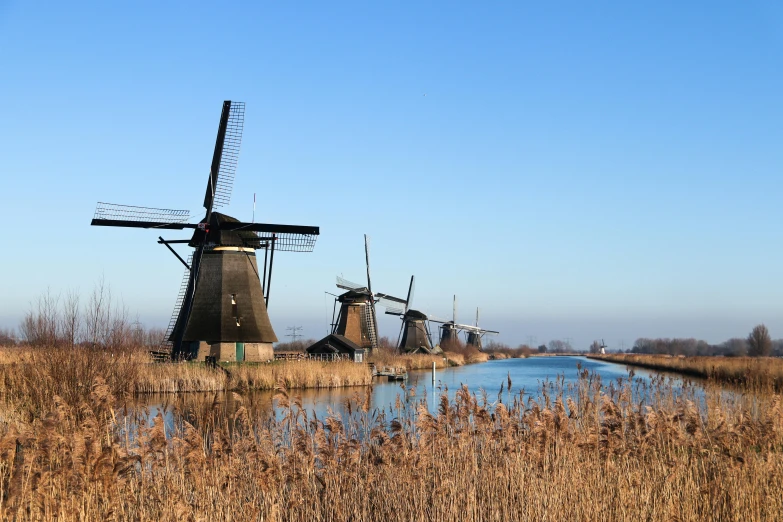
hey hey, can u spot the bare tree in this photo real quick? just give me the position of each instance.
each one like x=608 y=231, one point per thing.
x=759 y=342
x=70 y=322
x=40 y=324
x=154 y=337
x=595 y=347
x=736 y=347
x=557 y=346
x=7 y=337
x=96 y=312
x=117 y=328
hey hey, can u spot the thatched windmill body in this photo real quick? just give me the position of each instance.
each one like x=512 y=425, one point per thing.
x=415 y=334
x=474 y=334
x=356 y=319
x=221 y=309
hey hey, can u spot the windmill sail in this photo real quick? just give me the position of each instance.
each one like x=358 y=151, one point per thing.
x=114 y=215
x=226 y=156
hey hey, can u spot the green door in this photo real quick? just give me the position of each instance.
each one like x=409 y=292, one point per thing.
x=240 y=352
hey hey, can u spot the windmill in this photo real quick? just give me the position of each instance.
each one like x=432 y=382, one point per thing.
x=221 y=309
x=449 y=331
x=474 y=333
x=415 y=333
x=357 y=319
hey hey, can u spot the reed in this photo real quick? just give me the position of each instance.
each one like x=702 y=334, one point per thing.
x=392 y=358
x=742 y=371
x=42 y=373
x=456 y=354
x=629 y=451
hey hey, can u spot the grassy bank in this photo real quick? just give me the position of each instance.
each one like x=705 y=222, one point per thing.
x=459 y=356
x=743 y=371
x=32 y=376
x=634 y=452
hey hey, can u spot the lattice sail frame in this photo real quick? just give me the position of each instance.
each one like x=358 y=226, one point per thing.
x=115 y=212
x=230 y=156
x=285 y=241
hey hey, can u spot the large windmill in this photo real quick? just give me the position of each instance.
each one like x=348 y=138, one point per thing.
x=415 y=332
x=475 y=334
x=222 y=306
x=356 y=319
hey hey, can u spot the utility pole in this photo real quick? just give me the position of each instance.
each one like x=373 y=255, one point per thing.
x=531 y=341
x=294 y=335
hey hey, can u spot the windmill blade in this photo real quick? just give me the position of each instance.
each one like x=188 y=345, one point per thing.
x=287 y=238
x=435 y=319
x=392 y=301
x=467 y=328
x=409 y=300
x=395 y=312
x=348 y=285
x=367 y=259
x=114 y=215
x=285 y=242
x=226 y=156
x=269 y=228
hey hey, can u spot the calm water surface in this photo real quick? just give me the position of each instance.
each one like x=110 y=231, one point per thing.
x=528 y=376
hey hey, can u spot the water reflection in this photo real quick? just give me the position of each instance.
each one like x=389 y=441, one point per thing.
x=536 y=379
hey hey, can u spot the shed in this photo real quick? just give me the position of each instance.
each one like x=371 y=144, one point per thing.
x=334 y=347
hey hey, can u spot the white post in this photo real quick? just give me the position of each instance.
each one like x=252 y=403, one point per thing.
x=433 y=372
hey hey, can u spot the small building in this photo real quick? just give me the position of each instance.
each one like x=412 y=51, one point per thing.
x=335 y=347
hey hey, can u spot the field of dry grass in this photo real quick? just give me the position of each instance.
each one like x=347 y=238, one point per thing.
x=630 y=451
x=34 y=375
x=744 y=371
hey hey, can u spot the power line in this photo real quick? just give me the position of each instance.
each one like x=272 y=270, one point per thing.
x=294 y=335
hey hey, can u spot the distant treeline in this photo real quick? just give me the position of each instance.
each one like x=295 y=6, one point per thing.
x=757 y=343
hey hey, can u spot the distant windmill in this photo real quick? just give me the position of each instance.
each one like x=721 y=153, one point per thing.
x=449 y=331
x=415 y=333
x=356 y=319
x=474 y=333
x=221 y=309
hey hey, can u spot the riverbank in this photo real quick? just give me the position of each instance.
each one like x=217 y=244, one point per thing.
x=32 y=376
x=742 y=371
x=385 y=357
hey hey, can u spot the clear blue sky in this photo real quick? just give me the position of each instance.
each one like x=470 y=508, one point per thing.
x=601 y=169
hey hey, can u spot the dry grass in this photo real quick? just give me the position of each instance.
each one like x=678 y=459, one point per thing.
x=457 y=357
x=41 y=374
x=744 y=371
x=393 y=359
x=585 y=452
